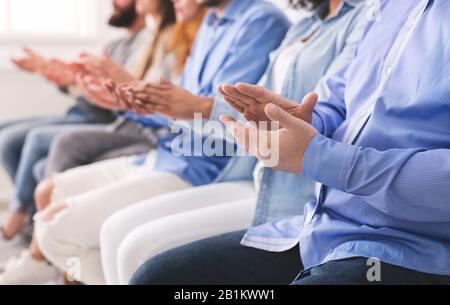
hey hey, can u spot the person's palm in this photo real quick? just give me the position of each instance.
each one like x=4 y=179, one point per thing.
x=59 y=73
x=32 y=62
x=251 y=101
x=281 y=149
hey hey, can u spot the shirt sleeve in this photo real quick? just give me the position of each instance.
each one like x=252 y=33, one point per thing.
x=409 y=184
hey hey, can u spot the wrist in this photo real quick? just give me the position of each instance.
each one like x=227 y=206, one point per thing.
x=205 y=106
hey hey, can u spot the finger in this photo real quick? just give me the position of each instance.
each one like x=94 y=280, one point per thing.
x=226 y=119
x=164 y=81
x=255 y=91
x=264 y=95
x=145 y=87
x=30 y=52
x=288 y=121
x=151 y=99
x=309 y=103
x=151 y=93
x=110 y=84
x=236 y=95
x=235 y=104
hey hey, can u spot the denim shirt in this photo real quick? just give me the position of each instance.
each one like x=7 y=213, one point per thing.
x=230 y=48
x=331 y=45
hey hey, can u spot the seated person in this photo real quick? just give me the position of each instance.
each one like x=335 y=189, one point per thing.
x=127 y=136
x=378 y=147
x=296 y=68
x=20 y=148
x=231 y=34
x=32 y=263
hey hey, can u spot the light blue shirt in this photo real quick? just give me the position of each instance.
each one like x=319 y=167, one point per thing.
x=383 y=154
x=234 y=47
x=330 y=44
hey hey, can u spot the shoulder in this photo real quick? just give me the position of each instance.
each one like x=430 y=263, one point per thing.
x=261 y=10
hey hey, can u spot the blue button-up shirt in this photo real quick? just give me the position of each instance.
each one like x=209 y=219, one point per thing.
x=230 y=48
x=384 y=150
x=330 y=45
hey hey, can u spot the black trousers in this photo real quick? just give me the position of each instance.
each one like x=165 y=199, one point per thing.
x=221 y=260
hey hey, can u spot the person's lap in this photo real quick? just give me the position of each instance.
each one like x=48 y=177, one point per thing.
x=13 y=135
x=77 y=148
x=178 y=230
x=220 y=260
x=191 y=209
x=35 y=148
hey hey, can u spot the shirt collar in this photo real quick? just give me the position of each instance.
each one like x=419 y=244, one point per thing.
x=231 y=13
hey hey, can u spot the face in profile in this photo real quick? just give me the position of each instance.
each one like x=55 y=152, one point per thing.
x=124 y=13
x=185 y=10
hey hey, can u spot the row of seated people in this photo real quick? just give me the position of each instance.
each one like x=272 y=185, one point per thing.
x=322 y=150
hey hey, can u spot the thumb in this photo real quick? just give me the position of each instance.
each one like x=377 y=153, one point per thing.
x=286 y=120
x=308 y=104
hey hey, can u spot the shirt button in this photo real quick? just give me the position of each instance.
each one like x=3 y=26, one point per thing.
x=388 y=70
x=363 y=113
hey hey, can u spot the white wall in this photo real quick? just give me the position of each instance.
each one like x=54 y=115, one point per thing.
x=23 y=95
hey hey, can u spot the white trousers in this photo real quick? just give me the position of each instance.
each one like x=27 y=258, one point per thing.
x=93 y=193
x=139 y=232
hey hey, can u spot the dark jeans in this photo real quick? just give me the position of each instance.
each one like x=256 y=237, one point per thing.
x=221 y=260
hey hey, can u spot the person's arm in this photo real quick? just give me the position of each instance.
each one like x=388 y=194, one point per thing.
x=409 y=184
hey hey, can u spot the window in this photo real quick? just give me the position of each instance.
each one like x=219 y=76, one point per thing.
x=48 y=19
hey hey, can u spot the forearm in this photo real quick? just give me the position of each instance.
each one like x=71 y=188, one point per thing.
x=198 y=105
x=409 y=184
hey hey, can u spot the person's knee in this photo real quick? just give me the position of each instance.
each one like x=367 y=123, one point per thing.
x=155 y=271
x=50 y=227
x=132 y=252
x=43 y=193
x=10 y=146
x=178 y=266
x=50 y=213
x=110 y=231
x=62 y=150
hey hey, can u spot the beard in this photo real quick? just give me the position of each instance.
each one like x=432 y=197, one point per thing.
x=123 y=17
x=210 y=3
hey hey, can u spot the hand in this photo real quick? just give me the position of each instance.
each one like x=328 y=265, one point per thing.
x=281 y=149
x=96 y=92
x=170 y=100
x=122 y=96
x=251 y=101
x=59 y=73
x=32 y=62
x=103 y=67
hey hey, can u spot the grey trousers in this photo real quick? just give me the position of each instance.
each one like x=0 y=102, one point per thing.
x=85 y=146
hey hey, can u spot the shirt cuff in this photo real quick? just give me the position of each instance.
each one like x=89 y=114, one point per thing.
x=317 y=123
x=328 y=162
